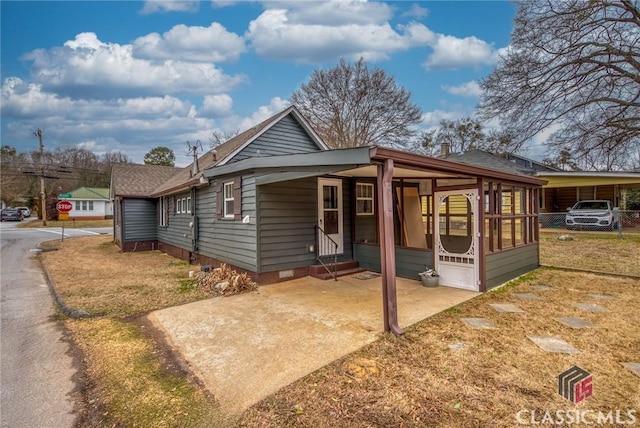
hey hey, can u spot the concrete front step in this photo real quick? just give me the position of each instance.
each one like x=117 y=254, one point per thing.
x=342 y=268
x=326 y=275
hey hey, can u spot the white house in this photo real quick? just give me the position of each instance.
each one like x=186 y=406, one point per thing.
x=89 y=203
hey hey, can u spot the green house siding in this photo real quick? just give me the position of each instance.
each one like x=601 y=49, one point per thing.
x=409 y=261
x=177 y=231
x=229 y=241
x=507 y=265
x=139 y=216
x=288 y=216
x=285 y=138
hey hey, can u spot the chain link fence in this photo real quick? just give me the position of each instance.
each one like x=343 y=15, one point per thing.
x=621 y=221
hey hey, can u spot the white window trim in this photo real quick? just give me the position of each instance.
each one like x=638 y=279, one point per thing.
x=360 y=198
x=162 y=215
x=225 y=199
x=188 y=206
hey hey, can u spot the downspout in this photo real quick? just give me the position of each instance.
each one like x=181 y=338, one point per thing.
x=387 y=247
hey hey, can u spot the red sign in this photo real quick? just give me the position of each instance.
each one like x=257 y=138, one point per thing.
x=64 y=206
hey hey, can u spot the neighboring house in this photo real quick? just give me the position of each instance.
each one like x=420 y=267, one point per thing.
x=89 y=203
x=563 y=188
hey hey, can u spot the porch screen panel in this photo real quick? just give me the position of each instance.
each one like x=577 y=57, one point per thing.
x=456 y=224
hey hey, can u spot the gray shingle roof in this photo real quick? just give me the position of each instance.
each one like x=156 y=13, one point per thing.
x=130 y=179
x=487 y=160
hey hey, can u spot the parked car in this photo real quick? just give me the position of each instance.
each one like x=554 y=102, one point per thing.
x=11 y=214
x=593 y=214
x=26 y=212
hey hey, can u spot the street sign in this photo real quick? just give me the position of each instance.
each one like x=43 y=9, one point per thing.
x=63 y=216
x=64 y=206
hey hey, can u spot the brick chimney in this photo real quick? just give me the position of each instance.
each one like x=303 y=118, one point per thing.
x=444 y=150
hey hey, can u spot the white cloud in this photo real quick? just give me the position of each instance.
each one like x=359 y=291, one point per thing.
x=417 y=11
x=468 y=89
x=333 y=13
x=318 y=42
x=431 y=119
x=217 y=105
x=264 y=112
x=198 y=44
x=155 y=6
x=88 y=67
x=451 y=52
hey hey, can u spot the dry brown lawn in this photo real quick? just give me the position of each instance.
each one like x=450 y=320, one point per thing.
x=415 y=380
x=595 y=251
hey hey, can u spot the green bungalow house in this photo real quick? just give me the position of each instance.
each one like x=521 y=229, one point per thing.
x=274 y=201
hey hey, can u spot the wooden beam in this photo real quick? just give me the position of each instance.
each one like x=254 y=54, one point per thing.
x=387 y=247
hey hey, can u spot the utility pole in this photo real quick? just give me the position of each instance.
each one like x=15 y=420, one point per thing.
x=43 y=202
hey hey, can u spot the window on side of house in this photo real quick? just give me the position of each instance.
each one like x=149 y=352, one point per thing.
x=228 y=200
x=163 y=211
x=188 y=205
x=364 y=199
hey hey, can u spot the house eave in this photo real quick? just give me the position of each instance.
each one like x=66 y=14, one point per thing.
x=412 y=161
x=334 y=160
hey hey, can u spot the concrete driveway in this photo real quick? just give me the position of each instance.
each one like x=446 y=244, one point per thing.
x=248 y=346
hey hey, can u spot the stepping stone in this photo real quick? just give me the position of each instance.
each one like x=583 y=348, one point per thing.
x=575 y=322
x=526 y=296
x=602 y=296
x=541 y=287
x=505 y=307
x=591 y=307
x=478 y=323
x=457 y=346
x=634 y=367
x=553 y=344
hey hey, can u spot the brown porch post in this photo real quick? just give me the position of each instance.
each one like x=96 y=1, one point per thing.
x=387 y=247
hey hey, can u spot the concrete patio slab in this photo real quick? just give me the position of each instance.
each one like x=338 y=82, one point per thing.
x=591 y=307
x=526 y=296
x=506 y=307
x=479 y=323
x=634 y=367
x=248 y=346
x=575 y=322
x=553 y=344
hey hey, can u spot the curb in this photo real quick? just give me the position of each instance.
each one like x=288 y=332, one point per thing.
x=70 y=312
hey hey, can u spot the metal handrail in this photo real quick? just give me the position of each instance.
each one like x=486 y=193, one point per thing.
x=325 y=243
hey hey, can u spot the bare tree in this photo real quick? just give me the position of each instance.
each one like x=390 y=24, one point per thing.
x=351 y=106
x=465 y=134
x=460 y=135
x=219 y=137
x=573 y=66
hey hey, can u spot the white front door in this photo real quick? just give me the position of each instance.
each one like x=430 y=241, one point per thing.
x=456 y=227
x=330 y=216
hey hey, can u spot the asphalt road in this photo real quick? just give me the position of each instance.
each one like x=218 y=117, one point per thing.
x=37 y=387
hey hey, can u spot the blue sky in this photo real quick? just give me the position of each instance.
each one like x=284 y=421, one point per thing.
x=130 y=76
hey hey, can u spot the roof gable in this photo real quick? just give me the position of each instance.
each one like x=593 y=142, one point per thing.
x=227 y=151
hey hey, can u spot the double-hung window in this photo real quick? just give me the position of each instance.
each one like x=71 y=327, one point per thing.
x=364 y=199
x=228 y=200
